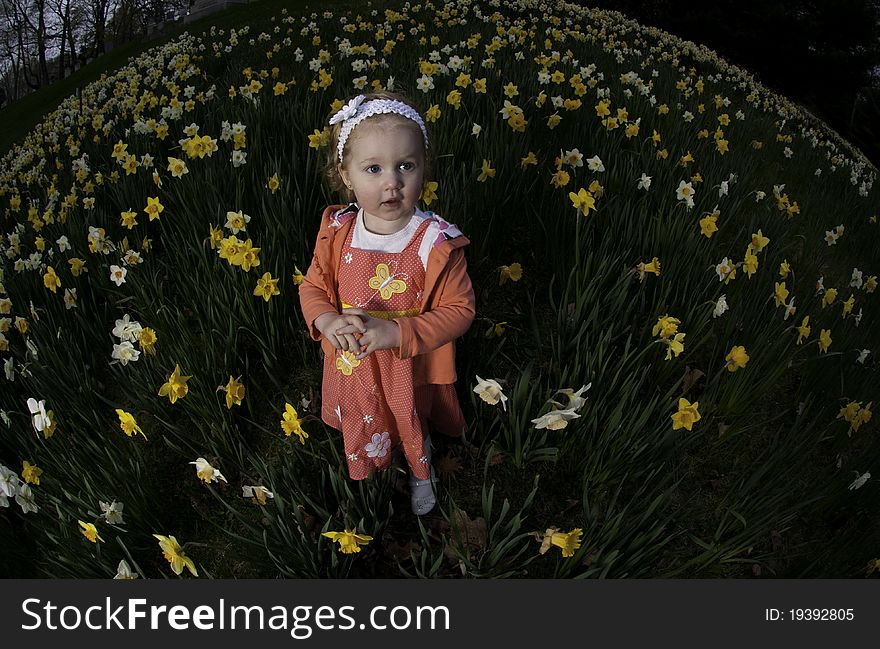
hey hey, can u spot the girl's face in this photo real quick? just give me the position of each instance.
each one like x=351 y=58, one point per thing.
x=384 y=167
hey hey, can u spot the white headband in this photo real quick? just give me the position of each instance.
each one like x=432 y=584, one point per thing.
x=356 y=111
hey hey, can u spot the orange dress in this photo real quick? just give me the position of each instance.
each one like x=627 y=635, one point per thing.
x=374 y=401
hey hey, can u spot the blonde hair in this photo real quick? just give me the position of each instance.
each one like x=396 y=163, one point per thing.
x=331 y=163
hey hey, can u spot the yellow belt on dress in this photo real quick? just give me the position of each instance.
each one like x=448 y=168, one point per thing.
x=387 y=315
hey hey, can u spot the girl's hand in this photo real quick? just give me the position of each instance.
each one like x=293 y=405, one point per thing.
x=340 y=330
x=380 y=334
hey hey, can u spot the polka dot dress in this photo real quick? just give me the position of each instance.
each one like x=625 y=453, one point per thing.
x=374 y=401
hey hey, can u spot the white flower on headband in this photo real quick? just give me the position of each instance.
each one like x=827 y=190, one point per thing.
x=348 y=111
x=354 y=113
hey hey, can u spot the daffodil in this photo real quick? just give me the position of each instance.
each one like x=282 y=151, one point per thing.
x=486 y=171
x=824 y=340
x=257 y=493
x=512 y=273
x=687 y=415
x=128 y=424
x=653 y=266
x=568 y=542
x=175 y=387
x=736 y=358
x=206 y=472
x=666 y=327
x=50 y=279
x=489 y=390
x=780 y=293
x=429 y=192
x=154 y=207
x=234 y=392
x=349 y=541
x=90 y=531
x=267 y=286
x=175 y=556
x=582 y=201
x=292 y=424
x=273 y=183
x=803 y=330
x=708 y=225
x=31 y=473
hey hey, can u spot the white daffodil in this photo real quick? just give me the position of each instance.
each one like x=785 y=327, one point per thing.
x=720 y=306
x=595 y=164
x=575 y=400
x=206 y=472
x=127 y=330
x=38 y=410
x=125 y=352
x=860 y=480
x=123 y=571
x=112 y=512
x=555 y=419
x=489 y=391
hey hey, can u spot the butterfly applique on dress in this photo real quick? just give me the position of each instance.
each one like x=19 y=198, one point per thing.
x=385 y=284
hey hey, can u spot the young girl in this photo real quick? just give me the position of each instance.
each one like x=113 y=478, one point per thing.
x=387 y=294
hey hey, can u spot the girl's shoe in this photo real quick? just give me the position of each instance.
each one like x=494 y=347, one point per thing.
x=422 y=495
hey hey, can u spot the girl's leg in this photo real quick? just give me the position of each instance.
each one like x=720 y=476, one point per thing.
x=422 y=494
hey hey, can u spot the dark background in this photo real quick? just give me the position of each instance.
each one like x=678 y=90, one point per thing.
x=822 y=54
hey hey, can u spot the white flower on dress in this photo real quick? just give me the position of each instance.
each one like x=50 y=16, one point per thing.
x=368 y=419
x=353 y=457
x=423 y=459
x=378 y=445
x=348 y=257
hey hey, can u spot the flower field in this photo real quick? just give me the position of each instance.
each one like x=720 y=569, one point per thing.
x=673 y=367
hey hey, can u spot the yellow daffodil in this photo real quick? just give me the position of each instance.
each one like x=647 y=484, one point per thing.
x=31 y=473
x=780 y=293
x=128 y=423
x=512 y=273
x=803 y=330
x=90 y=531
x=568 y=542
x=147 y=340
x=292 y=424
x=750 y=263
x=175 y=556
x=273 y=183
x=267 y=286
x=175 y=387
x=486 y=171
x=666 y=327
x=349 y=541
x=50 y=279
x=154 y=207
x=652 y=266
x=429 y=192
x=830 y=296
x=687 y=415
x=234 y=392
x=759 y=241
x=708 y=225
x=736 y=358
x=824 y=340
x=582 y=201
x=297 y=276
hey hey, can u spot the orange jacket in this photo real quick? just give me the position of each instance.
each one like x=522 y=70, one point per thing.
x=448 y=306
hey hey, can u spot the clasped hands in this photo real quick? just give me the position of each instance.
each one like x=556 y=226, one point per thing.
x=356 y=331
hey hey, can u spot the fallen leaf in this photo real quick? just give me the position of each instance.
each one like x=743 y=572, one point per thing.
x=466 y=535
x=691 y=376
x=447 y=465
x=402 y=552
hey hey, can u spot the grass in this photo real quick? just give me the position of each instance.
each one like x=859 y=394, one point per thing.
x=758 y=486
